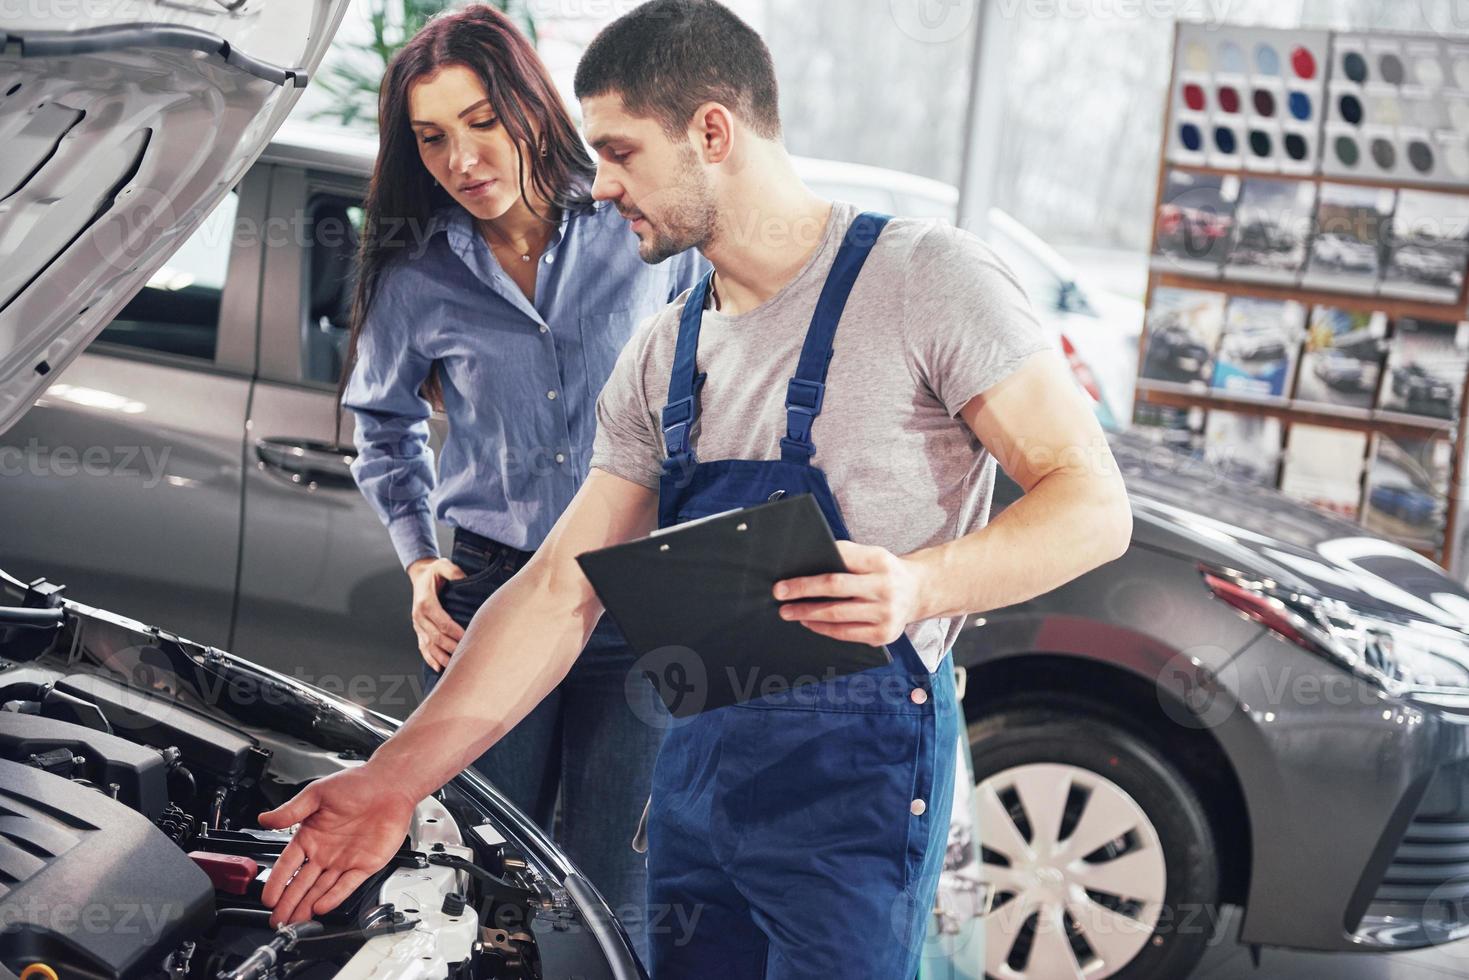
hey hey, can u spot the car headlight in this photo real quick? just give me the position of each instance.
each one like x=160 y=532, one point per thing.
x=1397 y=654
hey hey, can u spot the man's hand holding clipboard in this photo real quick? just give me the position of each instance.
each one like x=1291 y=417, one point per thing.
x=698 y=602
x=876 y=597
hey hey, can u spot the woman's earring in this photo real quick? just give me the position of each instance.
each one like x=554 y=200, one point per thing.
x=545 y=147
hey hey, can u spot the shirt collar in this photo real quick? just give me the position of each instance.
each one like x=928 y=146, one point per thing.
x=458 y=224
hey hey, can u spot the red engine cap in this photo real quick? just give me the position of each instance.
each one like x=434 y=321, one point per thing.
x=230 y=873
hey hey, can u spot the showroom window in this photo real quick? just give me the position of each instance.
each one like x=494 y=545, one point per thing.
x=177 y=312
x=335 y=227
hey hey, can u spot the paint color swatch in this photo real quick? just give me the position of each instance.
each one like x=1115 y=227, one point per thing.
x=1397 y=108
x=1248 y=99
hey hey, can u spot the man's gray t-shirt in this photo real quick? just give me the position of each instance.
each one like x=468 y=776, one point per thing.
x=933 y=320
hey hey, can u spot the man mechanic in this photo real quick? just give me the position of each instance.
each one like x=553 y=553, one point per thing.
x=883 y=366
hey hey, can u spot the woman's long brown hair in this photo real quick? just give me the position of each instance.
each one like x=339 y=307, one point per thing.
x=402 y=197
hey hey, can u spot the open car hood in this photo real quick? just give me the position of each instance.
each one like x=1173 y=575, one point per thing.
x=121 y=134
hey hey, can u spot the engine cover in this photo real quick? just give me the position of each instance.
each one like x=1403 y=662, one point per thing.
x=138 y=771
x=88 y=886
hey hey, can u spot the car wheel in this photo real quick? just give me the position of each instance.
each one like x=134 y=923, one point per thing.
x=1099 y=855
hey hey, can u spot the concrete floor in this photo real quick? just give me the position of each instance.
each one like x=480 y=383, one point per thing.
x=1227 y=960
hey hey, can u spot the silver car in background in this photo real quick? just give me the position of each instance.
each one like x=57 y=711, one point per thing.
x=185 y=467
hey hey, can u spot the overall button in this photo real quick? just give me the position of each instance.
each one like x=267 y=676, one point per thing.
x=551 y=394
x=919 y=808
x=919 y=696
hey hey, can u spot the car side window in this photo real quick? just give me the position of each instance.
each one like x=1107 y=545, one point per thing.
x=334 y=224
x=177 y=312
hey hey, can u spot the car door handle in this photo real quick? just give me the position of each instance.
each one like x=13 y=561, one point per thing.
x=306 y=462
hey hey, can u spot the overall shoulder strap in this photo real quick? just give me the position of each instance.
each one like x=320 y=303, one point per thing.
x=807 y=390
x=683 y=385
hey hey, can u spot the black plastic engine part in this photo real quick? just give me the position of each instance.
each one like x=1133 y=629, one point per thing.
x=140 y=773
x=140 y=715
x=25 y=634
x=92 y=888
x=68 y=707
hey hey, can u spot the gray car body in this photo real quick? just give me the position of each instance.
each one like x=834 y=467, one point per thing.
x=1312 y=777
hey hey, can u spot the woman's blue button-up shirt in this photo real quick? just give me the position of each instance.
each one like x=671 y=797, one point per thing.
x=520 y=379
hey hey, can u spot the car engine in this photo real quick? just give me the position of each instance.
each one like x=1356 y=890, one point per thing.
x=133 y=766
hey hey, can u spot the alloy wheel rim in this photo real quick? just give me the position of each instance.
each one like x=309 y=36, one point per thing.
x=1077 y=870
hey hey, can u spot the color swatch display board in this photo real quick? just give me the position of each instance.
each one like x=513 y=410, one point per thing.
x=1307 y=325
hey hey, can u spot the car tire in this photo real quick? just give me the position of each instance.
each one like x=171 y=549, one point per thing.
x=1024 y=747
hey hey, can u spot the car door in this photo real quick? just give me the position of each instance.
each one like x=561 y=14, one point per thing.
x=124 y=480
x=322 y=596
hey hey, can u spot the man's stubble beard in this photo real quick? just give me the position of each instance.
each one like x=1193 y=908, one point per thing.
x=691 y=220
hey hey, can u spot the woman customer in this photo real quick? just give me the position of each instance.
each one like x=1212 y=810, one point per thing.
x=490 y=284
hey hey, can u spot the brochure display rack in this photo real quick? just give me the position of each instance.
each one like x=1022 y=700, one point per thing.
x=1306 y=324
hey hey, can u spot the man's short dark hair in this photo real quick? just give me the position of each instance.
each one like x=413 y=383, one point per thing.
x=668 y=57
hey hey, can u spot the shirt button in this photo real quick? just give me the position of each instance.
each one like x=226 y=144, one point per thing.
x=560 y=458
x=919 y=696
x=544 y=328
x=551 y=394
x=550 y=259
x=918 y=809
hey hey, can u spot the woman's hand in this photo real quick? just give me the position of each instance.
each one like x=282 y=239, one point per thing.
x=437 y=632
x=872 y=602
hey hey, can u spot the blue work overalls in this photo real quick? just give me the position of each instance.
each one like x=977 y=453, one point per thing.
x=800 y=834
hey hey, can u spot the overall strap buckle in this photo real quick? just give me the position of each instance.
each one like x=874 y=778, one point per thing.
x=808 y=395
x=803 y=403
x=807 y=390
x=678 y=423
x=678 y=416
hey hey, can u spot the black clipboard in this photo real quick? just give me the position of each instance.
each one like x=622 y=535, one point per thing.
x=694 y=602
